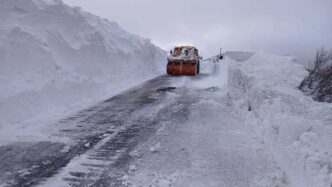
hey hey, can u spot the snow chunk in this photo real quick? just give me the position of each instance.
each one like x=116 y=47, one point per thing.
x=156 y=148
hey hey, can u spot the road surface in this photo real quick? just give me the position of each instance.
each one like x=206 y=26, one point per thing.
x=170 y=131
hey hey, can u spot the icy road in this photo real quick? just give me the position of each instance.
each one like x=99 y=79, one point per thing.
x=170 y=131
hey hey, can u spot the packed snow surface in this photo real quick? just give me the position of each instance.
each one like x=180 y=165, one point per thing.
x=55 y=58
x=183 y=135
x=209 y=147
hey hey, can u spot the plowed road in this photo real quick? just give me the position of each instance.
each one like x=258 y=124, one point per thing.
x=170 y=131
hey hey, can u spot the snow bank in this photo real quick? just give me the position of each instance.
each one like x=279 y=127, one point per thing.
x=54 y=57
x=297 y=130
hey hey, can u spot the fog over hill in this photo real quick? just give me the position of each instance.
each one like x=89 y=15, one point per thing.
x=284 y=27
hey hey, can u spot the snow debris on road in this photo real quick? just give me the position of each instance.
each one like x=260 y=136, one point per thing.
x=209 y=147
x=155 y=148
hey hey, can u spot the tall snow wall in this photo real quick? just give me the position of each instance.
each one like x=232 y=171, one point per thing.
x=296 y=129
x=54 y=57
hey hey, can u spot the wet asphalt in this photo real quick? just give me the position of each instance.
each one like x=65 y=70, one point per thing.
x=106 y=134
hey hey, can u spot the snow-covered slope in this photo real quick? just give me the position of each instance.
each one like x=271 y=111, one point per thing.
x=296 y=129
x=53 y=57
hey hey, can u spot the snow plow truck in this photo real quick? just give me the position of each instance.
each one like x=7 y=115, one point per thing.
x=183 y=60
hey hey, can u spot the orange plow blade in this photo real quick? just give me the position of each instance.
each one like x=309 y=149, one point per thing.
x=182 y=68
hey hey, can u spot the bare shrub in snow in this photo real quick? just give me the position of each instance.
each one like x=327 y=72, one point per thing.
x=318 y=83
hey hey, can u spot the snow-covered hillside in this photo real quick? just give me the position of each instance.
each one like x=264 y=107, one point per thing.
x=53 y=57
x=296 y=129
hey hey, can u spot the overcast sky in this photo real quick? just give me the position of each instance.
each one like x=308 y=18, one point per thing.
x=292 y=27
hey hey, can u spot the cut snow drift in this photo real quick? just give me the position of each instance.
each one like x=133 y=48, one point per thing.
x=296 y=129
x=54 y=57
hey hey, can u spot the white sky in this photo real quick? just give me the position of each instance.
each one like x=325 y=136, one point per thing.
x=294 y=27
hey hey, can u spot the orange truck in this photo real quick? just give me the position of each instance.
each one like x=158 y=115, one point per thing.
x=183 y=60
